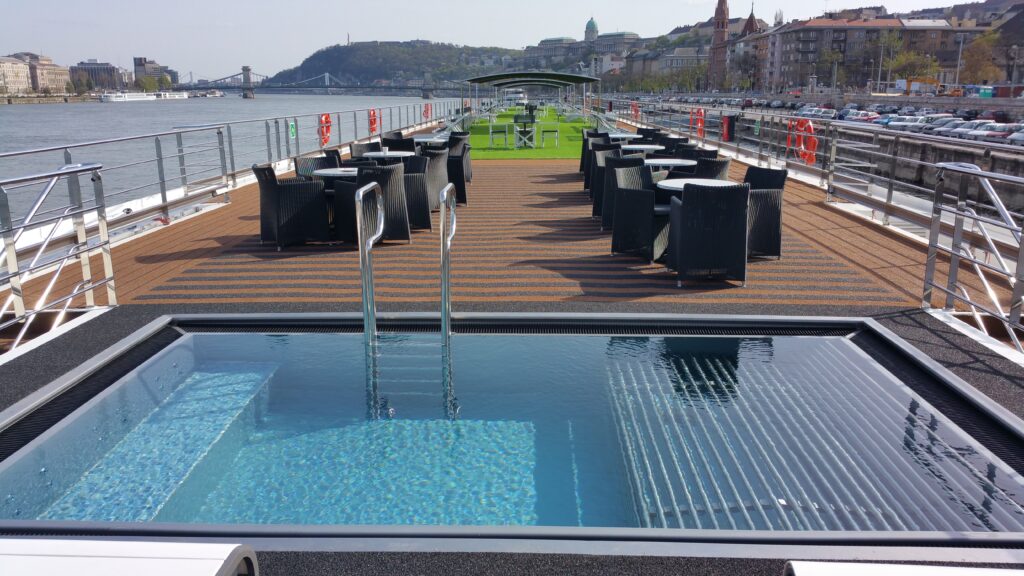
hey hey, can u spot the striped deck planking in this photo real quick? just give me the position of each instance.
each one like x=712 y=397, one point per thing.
x=525 y=238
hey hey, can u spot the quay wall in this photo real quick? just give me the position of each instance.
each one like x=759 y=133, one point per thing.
x=15 y=100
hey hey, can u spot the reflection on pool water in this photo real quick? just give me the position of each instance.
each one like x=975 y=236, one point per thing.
x=780 y=433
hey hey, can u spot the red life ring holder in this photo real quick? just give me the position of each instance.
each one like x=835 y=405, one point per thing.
x=324 y=129
x=806 y=141
x=634 y=109
x=428 y=111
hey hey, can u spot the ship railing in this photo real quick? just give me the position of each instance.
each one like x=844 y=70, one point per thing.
x=88 y=223
x=892 y=177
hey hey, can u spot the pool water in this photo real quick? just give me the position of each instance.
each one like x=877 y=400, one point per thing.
x=731 y=433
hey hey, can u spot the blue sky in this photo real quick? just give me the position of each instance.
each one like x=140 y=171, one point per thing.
x=214 y=38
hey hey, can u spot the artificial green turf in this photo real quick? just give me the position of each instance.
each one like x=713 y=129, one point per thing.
x=570 y=139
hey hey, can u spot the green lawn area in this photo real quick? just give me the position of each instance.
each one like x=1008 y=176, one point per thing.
x=570 y=139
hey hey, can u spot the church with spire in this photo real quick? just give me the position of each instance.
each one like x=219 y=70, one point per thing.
x=718 y=56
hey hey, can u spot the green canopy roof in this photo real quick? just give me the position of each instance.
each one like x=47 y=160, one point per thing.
x=549 y=78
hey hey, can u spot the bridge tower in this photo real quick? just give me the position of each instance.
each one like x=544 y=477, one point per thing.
x=248 y=91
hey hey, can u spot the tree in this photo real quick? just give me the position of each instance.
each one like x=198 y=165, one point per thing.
x=164 y=82
x=831 y=61
x=978 y=66
x=69 y=88
x=146 y=84
x=914 y=65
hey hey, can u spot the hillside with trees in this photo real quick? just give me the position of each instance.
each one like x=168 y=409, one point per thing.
x=369 y=62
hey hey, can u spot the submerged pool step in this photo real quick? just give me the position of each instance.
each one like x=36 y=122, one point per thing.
x=412 y=472
x=133 y=481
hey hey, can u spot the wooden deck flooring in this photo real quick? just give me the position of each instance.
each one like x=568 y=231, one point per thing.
x=526 y=240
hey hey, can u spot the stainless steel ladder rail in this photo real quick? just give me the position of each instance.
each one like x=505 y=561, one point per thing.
x=448 y=227
x=957 y=252
x=369 y=228
x=53 y=219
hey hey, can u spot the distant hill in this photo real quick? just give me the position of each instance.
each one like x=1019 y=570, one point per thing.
x=972 y=8
x=369 y=62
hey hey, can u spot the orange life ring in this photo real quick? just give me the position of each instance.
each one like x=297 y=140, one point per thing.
x=324 y=130
x=372 y=114
x=428 y=111
x=697 y=121
x=634 y=109
x=806 y=141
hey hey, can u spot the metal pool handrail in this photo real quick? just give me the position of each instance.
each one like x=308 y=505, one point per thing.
x=448 y=226
x=367 y=239
x=47 y=227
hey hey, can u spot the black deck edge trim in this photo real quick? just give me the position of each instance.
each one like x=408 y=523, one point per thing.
x=42 y=417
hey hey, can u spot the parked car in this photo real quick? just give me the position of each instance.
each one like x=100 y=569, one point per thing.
x=907 y=110
x=948 y=127
x=929 y=119
x=884 y=119
x=993 y=132
x=939 y=123
x=995 y=116
x=777 y=104
x=903 y=123
x=966 y=128
x=1017 y=138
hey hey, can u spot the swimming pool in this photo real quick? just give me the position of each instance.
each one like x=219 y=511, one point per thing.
x=780 y=433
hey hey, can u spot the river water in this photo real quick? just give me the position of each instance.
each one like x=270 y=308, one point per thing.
x=28 y=127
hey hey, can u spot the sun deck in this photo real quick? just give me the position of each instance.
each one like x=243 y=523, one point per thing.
x=525 y=241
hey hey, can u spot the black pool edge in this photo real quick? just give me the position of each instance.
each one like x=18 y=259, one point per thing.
x=595 y=540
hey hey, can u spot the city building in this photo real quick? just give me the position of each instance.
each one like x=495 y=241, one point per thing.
x=718 y=61
x=101 y=75
x=682 y=58
x=44 y=75
x=15 y=77
x=146 y=68
x=591 y=32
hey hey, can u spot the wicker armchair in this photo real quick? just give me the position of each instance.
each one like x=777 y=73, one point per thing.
x=717 y=169
x=306 y=165
x=463 y=137
x=587 y=134
x=335 y=155
x=594 y=141
x=708 y=237
x=396 y=213
x=396 y=134
x=459 y=166
x=399 y=144
x=359 y=149
x=437 y=174
x=765 y=178
x=292 y=211
x=640 y=226
x=764 y=224
x=417 y=192
x=650 y=133
x=611 y=185
x=597 y=171
x=356 y=163
x=344 y=227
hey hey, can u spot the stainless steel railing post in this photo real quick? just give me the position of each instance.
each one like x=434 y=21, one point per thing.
x=270 y=148
x=223 y=158
x=448 y=227
x=78 y=222
x=367 y=237
x=957 y=244
x=183 y=173
x=104 y=238
x=231 y=157
x=11 y=253
x=833 y=136
x=298 y=134
x=161 y=176
x=890 y=185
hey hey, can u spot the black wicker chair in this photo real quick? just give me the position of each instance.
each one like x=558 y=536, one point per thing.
x=454 y=138
x=396 y=212
x=359 y=149
x=650 y=133
x=458 y=166
x=395 y=134
x=594 y=141
x=597 y=170
x=356 y=163
x=292 y=211
x=587 y=134
x=717 y=169
x=335 y=155
x=765 y=178
x=611 y=185
x=639 y=226
x=437 y=174
x=399 y=144
x=306 y=165
x=417 y=192
x=708 y=237
x=344 y=227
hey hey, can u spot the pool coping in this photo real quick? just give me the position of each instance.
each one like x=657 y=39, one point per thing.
x=287 y=533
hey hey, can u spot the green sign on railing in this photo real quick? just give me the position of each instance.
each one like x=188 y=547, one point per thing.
x=757 y=127
x=291 y=129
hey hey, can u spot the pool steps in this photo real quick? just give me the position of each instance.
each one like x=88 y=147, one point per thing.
x=133 y=481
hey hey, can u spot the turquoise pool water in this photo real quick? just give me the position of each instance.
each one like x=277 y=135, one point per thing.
x=781 y=433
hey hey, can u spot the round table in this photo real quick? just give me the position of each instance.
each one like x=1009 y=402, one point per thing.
x=336 y=172
x=678 y=184
x=642 y=148
x=670 y=162
x=624 y=136
x=390 y=154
